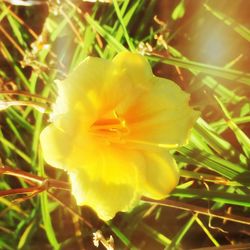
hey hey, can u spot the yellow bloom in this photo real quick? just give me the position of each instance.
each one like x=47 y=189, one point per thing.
x=112 y=126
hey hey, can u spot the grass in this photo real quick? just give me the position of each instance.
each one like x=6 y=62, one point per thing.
x=210 y=207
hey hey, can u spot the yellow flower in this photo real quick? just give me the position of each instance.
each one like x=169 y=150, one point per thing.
x=112 y=126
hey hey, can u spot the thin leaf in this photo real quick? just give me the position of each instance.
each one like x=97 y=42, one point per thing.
x=216 y=196
x=179 y=10
x=241 y=136
x=125 y=32
x=230 y=74
x=180 y=235
x=45 y=211
x=237 y=27
x=112 y=42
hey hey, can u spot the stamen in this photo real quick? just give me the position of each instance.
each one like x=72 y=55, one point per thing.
x=113 y=129
x=152 y=144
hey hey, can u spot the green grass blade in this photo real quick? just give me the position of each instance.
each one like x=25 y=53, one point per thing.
x=4 y=11
x=19 y=152
x=45 y=210
x=219 y=89
x=216 y=196
x=230 y=74
x=17 y=30
x=206 y=231
x=236 y=120
x=243 y=31
x=221 y=146
x=15 y=131
x=241 y=136
x=122 y=237
x=180 y=235
x=11 y=60
x=179 y=10
x=224 y=167
x=110 y=39
x=17 y=117
x=24 y=238
x=5 y=246
x=156 y=235
x=125 y=32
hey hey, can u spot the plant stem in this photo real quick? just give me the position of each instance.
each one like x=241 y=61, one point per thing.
x=199 y=210
x=38 y=183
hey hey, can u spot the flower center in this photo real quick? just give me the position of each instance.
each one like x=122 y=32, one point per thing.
x=112 y=129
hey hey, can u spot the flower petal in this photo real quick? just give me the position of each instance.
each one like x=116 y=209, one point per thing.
x=108 y=184
x=161 y=116
x=110 y=120
x=160 y=174
x=81 y=92
x=98 y=87
x=135 y=66
x=54 y=146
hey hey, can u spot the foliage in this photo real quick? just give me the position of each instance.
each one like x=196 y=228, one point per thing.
x=42 y=43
